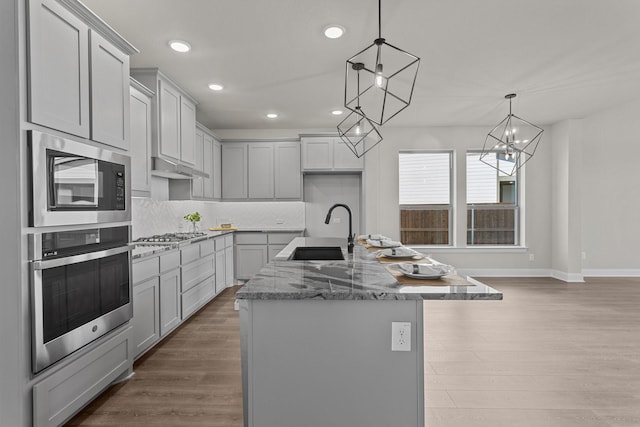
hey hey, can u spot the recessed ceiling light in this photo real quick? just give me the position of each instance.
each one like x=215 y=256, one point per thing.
x=333 y=31
x=180 y=46
x=337 y=112
x=272 y=116
x=216 y=86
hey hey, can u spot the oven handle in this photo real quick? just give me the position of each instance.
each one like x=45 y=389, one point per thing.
x=52 y=263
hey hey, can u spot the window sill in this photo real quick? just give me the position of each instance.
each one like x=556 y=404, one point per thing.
x=470 y=249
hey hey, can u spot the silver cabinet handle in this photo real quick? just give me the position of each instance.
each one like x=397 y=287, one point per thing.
x=52 y=263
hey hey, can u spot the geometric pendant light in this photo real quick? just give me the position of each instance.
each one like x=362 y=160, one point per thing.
x=357 y=130
x=388 y=76
x=511 y=143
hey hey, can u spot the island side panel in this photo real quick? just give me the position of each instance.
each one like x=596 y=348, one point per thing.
x=318 y=363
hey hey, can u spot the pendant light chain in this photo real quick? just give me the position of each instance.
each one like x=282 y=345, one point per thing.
x=379 y=19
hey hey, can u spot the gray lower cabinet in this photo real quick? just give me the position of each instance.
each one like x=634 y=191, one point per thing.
x=146 y=314
x=197 y=276
x=255 y=249
x=63 y=393
x=169 y=292
x=146 y=304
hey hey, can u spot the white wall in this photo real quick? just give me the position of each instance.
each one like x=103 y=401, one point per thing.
x=611 y=202
x=566 y=194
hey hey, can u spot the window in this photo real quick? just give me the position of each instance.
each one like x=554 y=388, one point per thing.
x=492 y=202
x=425 y=197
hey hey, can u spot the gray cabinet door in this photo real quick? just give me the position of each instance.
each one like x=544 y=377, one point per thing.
x=220 y=271
x=197 y=184
x=229 y=274
x=146 y=319
x=343 y=157
x=288 y=179
x=317 y=154
x=261 y=178
x=169 y=138
x=234 y=171
x=140 y=137
x=169 y=301
x=249 y=260
x=58 y=68
x=109 y=93
x=217 y=170
x=187 y=131
x=208 y=166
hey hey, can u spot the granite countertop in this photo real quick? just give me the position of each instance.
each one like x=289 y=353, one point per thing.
x=147 y=249
x=359 y=277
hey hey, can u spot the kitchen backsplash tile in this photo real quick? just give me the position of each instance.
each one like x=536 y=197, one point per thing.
x=150 y=216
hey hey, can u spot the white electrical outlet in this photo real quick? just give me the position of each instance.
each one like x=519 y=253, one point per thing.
x=337 y=220
x=532 y=257
x=279 y=221
x=400 y=336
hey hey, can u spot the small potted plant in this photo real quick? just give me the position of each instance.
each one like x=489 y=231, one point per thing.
x=193 y=218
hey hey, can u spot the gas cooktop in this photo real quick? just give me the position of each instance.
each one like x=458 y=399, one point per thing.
x=169 y=237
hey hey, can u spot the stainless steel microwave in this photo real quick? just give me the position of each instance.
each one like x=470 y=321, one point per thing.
x=76 y=183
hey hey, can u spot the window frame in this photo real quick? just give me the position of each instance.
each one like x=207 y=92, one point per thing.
x=517 y=207
x=450 y=207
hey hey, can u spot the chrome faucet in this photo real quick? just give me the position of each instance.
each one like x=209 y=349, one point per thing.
x=351 y=236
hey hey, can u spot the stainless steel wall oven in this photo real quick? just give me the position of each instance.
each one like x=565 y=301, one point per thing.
x=81 y=289
x=76 y=183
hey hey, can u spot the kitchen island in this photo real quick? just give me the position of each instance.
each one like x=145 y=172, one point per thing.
x=317 y=341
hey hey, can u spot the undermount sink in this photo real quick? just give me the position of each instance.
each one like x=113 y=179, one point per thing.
x=318 y=253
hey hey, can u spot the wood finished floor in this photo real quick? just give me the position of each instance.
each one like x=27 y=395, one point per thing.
x=551 y=354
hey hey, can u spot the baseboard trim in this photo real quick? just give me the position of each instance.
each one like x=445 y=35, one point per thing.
x=567 y=277
x=522 y=272
x=504 y=272
x=606 y=272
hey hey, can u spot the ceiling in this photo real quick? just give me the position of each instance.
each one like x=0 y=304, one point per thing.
x=564 y=58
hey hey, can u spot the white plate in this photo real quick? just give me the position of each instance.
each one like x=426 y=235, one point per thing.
x=400 y=252
x=383 y=243
x=372 y=237
x=423 y=271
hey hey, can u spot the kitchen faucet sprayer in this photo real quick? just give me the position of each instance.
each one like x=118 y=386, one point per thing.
x=351 y=236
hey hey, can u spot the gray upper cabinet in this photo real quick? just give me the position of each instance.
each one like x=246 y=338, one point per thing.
x=58 y=68
x=187 y=131
x=261 y=170
x=174 y=117
x=140 y=138
x=260 y=163
x=217 y=169
x=207 y=149
x=288 y=180
x=109 y=93
x=234 y=171
x=78 y=73
x=199 y=188
x=328 y=154
x=197 y=184
x=169 y=137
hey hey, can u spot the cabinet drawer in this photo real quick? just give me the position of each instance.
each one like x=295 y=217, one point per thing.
x=228 y=241
x=189 y=253
x=207 y=247
x=196 y=272
x=197 y=296
x=282 y=238
x=62 y=394
x=251 y=239
x=144 y=269
x=169 y=261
